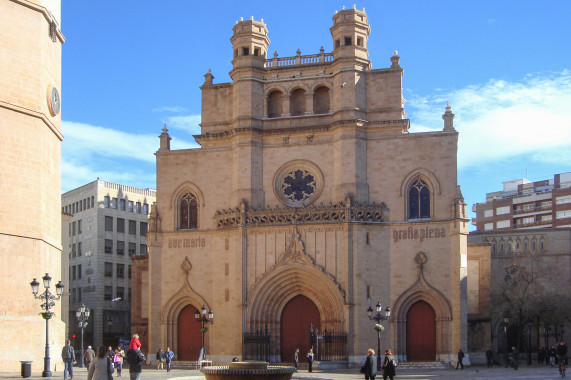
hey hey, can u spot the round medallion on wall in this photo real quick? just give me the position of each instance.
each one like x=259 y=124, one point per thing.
x=298 y=183
x=54 y=101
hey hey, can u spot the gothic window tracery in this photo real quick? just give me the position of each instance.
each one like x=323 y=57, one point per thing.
x=188 y=212
x=298 y=183
x=418 y=200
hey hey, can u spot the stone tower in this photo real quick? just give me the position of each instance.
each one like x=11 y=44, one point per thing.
x=30 y=179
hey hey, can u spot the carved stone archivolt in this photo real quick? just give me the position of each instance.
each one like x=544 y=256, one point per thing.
x=295 y=273
x=312 y=214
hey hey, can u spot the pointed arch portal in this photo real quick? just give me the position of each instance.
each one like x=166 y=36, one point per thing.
x=297 y=316
x=421 y=333
x=189 y=336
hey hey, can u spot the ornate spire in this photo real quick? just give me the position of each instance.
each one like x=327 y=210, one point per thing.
x=448 y=118
x=395 y=59
x=208 y=78
x=165 y=139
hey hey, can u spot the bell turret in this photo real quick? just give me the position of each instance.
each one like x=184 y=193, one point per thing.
x=250 y=43
x=350 y=32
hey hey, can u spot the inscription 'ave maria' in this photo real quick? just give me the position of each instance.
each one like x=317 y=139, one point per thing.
x=187 y=243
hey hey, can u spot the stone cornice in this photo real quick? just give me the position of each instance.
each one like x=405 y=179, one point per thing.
x=47 y=15
x=33 y=113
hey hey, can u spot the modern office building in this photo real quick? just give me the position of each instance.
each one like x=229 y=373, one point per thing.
x=108 y=226
x=30 y=179
x=525 y=204
x=309 y=201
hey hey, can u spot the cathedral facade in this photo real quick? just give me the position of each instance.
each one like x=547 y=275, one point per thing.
x=308 y=202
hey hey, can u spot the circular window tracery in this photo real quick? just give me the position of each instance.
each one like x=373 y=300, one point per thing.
x=298 y=183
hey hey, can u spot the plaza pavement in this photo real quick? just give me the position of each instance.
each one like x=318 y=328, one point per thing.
x=533 y=372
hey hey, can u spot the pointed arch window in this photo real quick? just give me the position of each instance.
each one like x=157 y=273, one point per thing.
x=418 y=200
x=188 y=212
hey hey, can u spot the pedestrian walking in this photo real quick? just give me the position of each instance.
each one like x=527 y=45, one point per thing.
x=515 y=357
x=169 y=355
x=310 y=357
x=552 y=354
x=489 y=357
x=370 y=367
x=135 y=358
x=296 y=358
x=89 y=355
x=460 y=358
x=102 y=367
x=68 y=357
x=389 y=365
x=118 y=360
x=160 y=359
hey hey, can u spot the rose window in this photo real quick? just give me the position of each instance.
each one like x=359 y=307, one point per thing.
x=298 y=184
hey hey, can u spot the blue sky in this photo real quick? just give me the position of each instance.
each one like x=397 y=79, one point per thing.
x=131 y=66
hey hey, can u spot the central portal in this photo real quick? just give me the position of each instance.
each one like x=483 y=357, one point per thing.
x=299 y=314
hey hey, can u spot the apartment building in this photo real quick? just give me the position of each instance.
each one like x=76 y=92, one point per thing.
x=108 y=225
x=525 y=204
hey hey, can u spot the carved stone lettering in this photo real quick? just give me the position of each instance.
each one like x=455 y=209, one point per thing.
x=420 y=234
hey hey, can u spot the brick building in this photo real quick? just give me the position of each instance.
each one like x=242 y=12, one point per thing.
x=525 y=204
x=309 y=201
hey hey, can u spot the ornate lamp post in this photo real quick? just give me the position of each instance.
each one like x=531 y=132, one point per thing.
x=47 y=303
x=82 y=315
x=378 y=327
x=201 y=317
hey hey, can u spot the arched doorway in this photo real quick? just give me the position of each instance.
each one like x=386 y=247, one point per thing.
x=189 y=336
x=297 y=316
x=421 y=332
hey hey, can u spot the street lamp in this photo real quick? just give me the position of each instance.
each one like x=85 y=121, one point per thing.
x=82 y=315
x=378 y=327
x=201 y=317
x=47 y=303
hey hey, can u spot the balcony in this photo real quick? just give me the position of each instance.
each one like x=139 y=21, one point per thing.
x=533 y=209
x=299 y=59
x=533 y=224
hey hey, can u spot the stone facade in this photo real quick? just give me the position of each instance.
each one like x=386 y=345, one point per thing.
x=30 y=219
x=104 y=227
x=308 y=190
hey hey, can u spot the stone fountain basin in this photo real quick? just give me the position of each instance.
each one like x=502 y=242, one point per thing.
x=248 y=370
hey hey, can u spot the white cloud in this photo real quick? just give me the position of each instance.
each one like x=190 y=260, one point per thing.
x=501 y=119
x=88 y=140
x=91 y=151
x=176 y=109
x=189 y=123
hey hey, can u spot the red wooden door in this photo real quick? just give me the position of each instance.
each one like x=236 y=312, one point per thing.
x=421 y=333
x=298 y=314
x=189 y=336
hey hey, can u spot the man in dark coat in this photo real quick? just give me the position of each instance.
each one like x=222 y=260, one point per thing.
x=515 y=357
x=460 y=358
x=370 y=365
x=310 y=356
x=489 y=357
x=135 y=358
